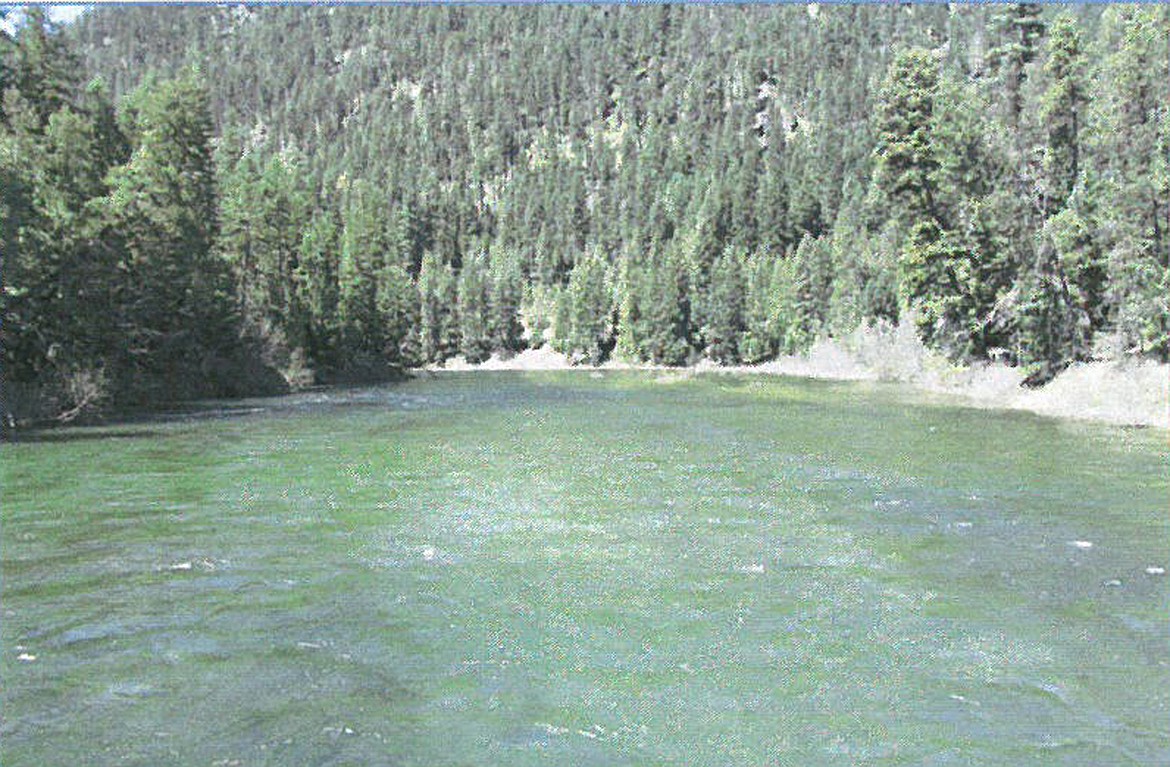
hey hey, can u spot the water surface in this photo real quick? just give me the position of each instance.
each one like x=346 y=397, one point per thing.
x=556 y=568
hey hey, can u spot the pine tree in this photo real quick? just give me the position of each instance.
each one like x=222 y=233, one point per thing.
x=936 y=285
x=906 y=165
x=724 y=315
x=812 y=289
x=506 y=297
x=588 y=330
x=783 y=317
x=1019 y=27
x=657 y=301
x=758 y=342
x=438 y=322
x=316 y=285
x=1062 y=110
x=264 y=207
x=32 y=204
x=173 y=299
x=1059 y=294
x=41 y=67
x=474 y=291
x=375 y=307
x=1131 y=138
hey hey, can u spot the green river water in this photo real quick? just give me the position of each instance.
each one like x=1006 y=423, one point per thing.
x=582 y=569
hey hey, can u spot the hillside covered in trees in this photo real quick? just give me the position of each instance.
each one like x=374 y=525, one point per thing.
x=215 y=201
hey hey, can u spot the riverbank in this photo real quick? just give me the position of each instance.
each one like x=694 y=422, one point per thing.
x=1132 y=393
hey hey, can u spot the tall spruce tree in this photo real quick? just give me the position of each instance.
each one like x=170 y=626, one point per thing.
x=474 y=299
x=173 y=296
x=438 y=321
x=724 y=325
x=1131 y=135
x=1062 y=111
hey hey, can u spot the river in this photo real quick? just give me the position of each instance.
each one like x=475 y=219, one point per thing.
x=574 y=568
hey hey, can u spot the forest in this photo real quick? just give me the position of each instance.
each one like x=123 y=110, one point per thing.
x=223 y=201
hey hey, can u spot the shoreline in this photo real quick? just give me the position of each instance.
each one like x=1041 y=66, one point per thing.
x=1129 y=393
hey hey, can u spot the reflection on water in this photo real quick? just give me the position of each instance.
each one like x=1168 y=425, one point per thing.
x=523 y=568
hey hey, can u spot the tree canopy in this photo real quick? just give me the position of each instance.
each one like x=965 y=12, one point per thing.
x=333 y=192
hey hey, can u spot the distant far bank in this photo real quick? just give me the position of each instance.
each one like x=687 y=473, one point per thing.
x=1135 y=393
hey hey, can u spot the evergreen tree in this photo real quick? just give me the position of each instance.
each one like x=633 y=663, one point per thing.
x=56 y=319
x=438 y=323
x=376 y=302
x=759 y=341
x=587 y=332
x=906 y=164
x=397 y=304
x=812 y=289
x=474 y=299
x=316 y=285
x=936 y=276
x=506 y=297
x=362 y=254
x=173 y=298
x=1131 y=137
x=1019 y=27
x=1062 y=110
x=724 y=315
x=783 y=316
x=657 y=312
x=263 y=208
x=41 y=67
x=1055 y=320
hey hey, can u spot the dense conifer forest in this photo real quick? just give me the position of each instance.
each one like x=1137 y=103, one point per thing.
x=225 y=200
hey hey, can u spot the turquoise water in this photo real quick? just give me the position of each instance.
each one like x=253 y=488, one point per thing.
x=560 y=568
